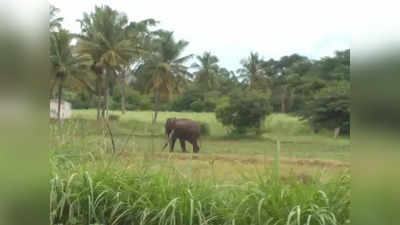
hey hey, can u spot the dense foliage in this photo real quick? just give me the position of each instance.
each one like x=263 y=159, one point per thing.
x=244 y=110
x=330 y=107
x=119 y=64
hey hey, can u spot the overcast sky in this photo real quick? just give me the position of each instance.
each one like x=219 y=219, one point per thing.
x=232 y=29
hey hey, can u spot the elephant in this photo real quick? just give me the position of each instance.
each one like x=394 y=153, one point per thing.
x=184 y=130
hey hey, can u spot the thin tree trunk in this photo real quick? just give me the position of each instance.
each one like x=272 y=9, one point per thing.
x=283 y=104
x=283 y=100
x=122 y=92
x=107 y=94
x=52 y=87
x=336 y=132
x=98 y=99
x=157 y=102
x=105 y=97
x=60 y=90
x=123 y=107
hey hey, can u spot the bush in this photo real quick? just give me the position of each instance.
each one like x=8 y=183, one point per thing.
x=197 y=106
x=286 y=124
x=81 y=100
x=204 y=128
x=184 y=102
x=194 y=99
x=244 y=110
x=330 y=108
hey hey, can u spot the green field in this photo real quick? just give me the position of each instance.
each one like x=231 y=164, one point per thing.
x=233 y=180
x=297 y=139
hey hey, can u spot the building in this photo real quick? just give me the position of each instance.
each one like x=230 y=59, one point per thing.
x=66 y=110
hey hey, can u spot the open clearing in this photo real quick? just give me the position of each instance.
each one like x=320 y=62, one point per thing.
x=301 y=151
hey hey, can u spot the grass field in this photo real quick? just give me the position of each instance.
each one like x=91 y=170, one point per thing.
x=296 y=136
x=233 y=180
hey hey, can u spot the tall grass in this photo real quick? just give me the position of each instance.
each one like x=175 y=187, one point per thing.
x=113 y=196
x=91 y=186
x=285 y=124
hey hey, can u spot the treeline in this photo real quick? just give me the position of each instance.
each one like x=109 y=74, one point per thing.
x=117 y=64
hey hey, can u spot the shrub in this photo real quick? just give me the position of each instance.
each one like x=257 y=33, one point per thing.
x=194 y=99
x=330 y=108
x=245 y=109
x=184 y=102
x=81 y=100
x=286 y=124
x=133 y=100
x=197 y=106
x=204 y=128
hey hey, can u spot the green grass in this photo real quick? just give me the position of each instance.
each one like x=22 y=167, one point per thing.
x=296 y=136
x=233 y=180
x=110 y=195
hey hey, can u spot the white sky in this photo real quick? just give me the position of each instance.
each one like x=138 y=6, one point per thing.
x=231 y=29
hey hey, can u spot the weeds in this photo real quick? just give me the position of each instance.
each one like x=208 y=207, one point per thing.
x=115 y=197
x=91 y=185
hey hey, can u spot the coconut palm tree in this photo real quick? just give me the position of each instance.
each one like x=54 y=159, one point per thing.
x=252 y=71
x=141 y=34
x=207 y=70
x=166 y=67
x=63 y=62
x=54 y=20
x=106 y=39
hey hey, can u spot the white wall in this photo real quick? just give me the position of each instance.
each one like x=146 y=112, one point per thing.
x=66 y=110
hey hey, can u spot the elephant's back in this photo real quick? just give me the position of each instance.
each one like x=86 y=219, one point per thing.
x=188 y=128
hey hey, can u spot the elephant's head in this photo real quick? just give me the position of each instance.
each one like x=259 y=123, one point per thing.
x=169 y=126
x=169 y=130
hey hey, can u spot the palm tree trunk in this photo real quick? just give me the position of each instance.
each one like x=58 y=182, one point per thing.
x=122 y=92
x=156 y=105
x=107 y=94
x=60 y=90
x=98 y=99
x=123 y=107
x=105 y=97
x=52 y=87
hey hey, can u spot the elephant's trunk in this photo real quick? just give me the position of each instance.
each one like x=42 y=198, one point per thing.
x=168 y=139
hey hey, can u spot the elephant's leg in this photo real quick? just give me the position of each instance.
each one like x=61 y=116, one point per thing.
x=195 y=146
x=183 y=145
x=171 y=149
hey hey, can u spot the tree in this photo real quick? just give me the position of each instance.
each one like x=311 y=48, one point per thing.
x=54 y=20
x=140 y=33
x=105 y=37
x=206 y=70
x=252 y=71
x=330 y=108
x=244 y=110
x=63 y=62
x=226 y=81
x=284 y=75
x=334 y=68
x=165 y=67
